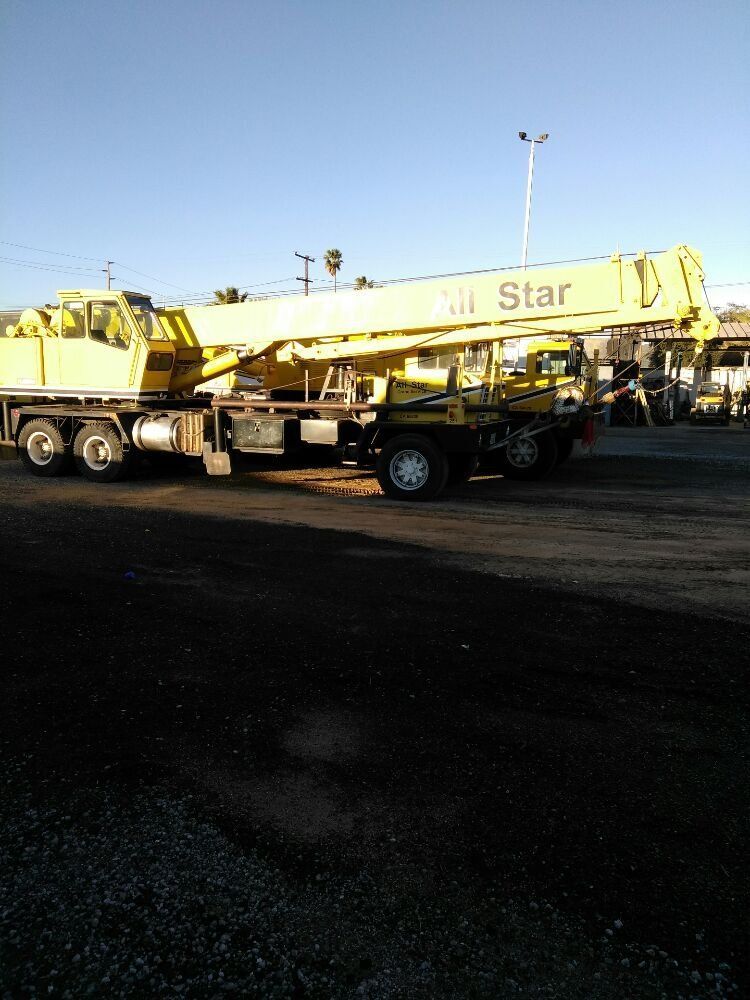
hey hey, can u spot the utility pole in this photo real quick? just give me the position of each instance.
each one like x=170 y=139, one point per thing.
x=108 y=272
x=307 y=279
x=539 y=138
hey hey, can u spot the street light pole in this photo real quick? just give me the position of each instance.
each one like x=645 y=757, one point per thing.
x=529 y=182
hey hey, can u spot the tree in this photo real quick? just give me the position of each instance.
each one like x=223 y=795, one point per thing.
x=691 y=353
x=333 y=261
x=362 y=282
x=227 y=296
x=733 y=312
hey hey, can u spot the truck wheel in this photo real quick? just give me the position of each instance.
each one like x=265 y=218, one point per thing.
x=461 y=468
x=529 y=457
x=411 y=467
x=98 y=453
x=42 y=448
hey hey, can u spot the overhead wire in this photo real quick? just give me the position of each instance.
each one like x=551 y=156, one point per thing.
x=159 y=281
x=48 y=267
x=55 y=253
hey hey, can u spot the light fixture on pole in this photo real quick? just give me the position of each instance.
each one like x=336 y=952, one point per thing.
x=539 y=138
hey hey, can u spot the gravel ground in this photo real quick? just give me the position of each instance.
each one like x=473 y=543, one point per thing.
x=111 y=895
x=244 y=757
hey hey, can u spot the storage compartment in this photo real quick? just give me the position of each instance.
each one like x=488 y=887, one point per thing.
x=270 y=433
x=22 y=361
x=319 y=431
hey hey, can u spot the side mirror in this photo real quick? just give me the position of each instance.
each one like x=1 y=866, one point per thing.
x=451 y=386
x=575 y=360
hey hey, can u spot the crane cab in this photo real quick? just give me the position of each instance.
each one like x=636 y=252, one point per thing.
x=95 y=344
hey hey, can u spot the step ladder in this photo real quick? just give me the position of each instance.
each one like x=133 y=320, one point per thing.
x=640 y=397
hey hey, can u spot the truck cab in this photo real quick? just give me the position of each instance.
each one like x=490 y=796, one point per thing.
x=96 y=344
x=494 y=372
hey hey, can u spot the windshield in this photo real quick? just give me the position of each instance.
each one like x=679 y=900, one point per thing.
x=552 y=363
x=713 y=387
x=147 y=319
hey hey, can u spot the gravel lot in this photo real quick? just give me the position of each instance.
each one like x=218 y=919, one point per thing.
x=265 y=739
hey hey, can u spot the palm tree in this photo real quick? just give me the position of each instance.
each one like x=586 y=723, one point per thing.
x=227 y=296
x=333 y=261
x=362 y=282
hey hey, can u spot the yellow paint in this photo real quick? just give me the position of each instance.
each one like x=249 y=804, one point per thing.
x=384 y=329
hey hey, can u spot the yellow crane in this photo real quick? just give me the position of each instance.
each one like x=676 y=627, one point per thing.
x=409 y=377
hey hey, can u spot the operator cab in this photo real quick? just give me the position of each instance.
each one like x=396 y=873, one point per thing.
x=108 y=322
x=710 y=389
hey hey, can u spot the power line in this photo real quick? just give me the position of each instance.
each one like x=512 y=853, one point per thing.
x=80 y=273
x=55 y=253
x=202 y=296
x=61 y=253
x=43 y=264
x=159 y=281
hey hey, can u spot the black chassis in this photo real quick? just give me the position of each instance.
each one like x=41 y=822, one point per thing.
x=69 y=418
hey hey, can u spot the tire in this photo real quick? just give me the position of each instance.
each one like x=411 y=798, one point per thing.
x=42 y=449
x=528 y=458
x=411 y=467
x=98 y=453
x=564 y=448
x=461 y=467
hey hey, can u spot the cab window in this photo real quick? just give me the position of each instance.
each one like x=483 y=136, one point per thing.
x=73 y=321
x=436 y=357
x=109 y=325
x=476 y=357
x=552 y=363
x=146 y=318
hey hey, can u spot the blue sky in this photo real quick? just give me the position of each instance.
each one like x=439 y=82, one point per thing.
x=202 y=144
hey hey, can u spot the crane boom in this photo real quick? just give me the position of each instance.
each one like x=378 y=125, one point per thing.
x=664 y=289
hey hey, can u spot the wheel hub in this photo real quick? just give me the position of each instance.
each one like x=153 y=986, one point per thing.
x=40 y=448
x=409 y=470
x=97 y=453
x=523 y=452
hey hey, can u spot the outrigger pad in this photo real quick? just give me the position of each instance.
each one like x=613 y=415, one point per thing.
x=217 y=462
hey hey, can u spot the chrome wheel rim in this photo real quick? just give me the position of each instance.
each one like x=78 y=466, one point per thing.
x=97 y=453
x=409 y=470
x=40 y=448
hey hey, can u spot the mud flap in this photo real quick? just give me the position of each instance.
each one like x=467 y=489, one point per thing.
x=217 y=462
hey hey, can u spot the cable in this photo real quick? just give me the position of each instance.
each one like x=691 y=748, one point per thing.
x=43 y=267
x=203 y=296
x=42 y=264
x=55 y=253
x=171 y=284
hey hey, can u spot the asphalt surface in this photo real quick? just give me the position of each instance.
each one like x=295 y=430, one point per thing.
x=495 y=746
